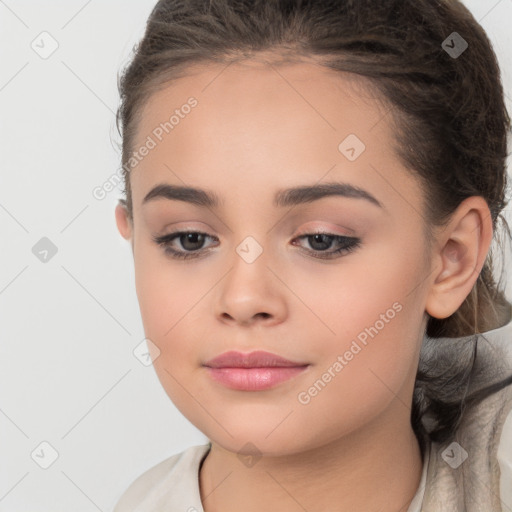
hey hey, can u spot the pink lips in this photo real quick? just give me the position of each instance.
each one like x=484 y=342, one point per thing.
x=255 y=371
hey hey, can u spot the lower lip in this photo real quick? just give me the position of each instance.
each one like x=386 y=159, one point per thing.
x=254 y=379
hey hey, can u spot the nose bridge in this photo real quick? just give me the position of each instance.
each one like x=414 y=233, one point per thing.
x=249 y=275
x=250 y=290
x=252 y=239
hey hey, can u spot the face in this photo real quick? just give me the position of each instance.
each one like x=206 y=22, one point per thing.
x=348 y=305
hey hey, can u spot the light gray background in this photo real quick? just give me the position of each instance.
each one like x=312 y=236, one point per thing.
x=69 y=326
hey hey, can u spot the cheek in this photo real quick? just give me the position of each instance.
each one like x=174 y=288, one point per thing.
x=361 y=370
x=168 y=297
x=373 y=318
x=172 y=320
x=373 y=287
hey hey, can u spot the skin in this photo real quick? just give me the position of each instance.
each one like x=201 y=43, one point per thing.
x=258 y=128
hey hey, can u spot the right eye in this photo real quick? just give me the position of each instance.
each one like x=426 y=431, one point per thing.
x=191 y=241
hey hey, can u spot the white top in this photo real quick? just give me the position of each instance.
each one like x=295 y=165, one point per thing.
x=173 y=484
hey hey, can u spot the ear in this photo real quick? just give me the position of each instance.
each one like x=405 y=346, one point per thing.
x=459 y=255
x=124 y=223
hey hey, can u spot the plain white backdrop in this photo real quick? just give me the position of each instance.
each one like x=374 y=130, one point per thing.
x=69 y=324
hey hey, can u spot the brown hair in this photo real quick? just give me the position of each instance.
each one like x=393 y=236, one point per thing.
x=449 y=111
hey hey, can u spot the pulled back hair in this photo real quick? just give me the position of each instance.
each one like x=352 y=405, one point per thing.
x=450 y=119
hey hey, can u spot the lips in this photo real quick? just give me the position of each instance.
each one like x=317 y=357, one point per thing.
x=257 y=359
x=256 y=371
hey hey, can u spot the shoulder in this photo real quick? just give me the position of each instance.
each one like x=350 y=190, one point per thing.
x=147 y=490
x=492 y=418
x=482 y=441
x=494 y=372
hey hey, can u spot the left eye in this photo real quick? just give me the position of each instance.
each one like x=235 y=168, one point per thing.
x=192 y=244
x=322 y=241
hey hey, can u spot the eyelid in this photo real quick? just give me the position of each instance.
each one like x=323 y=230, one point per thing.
x=322 y=230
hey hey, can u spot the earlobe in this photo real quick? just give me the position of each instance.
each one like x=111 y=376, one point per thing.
x=462 y=248
x=123 y=222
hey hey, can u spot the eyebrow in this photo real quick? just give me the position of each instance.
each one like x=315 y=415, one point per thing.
x=283 y=198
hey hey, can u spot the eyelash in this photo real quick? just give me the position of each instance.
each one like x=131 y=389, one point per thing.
x=349 y=245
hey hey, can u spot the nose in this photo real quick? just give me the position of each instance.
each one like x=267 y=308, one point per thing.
x=250 y=294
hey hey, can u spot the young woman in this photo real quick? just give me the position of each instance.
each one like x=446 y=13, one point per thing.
x=312 y=189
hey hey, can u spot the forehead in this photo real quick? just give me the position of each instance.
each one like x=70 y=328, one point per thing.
x=256 y=124
x=266 y=92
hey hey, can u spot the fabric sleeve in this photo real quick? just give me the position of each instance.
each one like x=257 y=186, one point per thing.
x=505 y=462
x=137 y=497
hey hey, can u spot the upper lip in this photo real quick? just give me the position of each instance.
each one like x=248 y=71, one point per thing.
x=257 y=359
